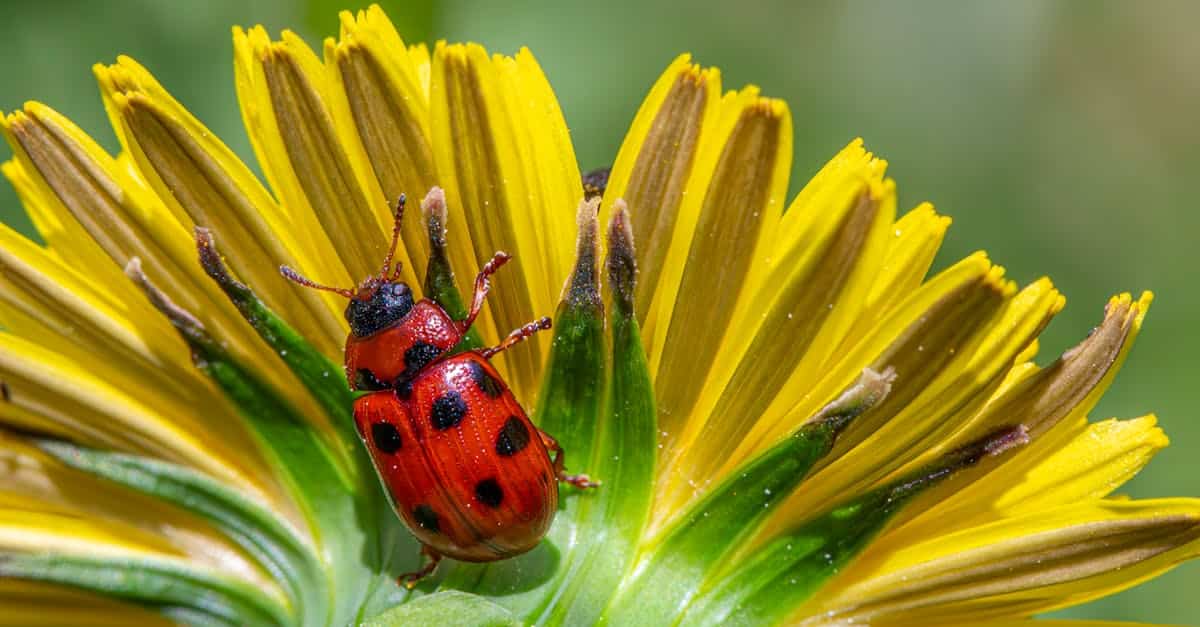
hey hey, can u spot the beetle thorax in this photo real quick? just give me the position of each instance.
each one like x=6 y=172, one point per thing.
x=396 y=352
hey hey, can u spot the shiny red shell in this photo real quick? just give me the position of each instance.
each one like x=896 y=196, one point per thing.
x=463 y=465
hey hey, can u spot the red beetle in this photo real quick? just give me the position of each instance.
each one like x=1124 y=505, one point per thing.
x=460 y=460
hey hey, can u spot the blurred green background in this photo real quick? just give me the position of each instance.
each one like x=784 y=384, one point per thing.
x=1059 y=135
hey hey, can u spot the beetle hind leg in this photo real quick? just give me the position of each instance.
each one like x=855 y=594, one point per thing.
x=580 y=481
x=541 y=324
x=410 y=580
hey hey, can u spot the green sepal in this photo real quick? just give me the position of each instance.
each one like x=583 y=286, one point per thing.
x=769 y=585
x=625 y=453
x=342 y=524
x=440 y=288
x=439 y=285
x=707 y=532
x=570 y=407
x=325 y=381
x=449 y=608
x=170 y=586
x=257 y=530
x=323 y=378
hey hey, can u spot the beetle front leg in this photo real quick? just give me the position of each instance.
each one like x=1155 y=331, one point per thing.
x=579 y=481
x=482 y=285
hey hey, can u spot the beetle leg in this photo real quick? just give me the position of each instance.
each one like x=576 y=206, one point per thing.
x=540 y=324
x=482 y=285
x=410 y=580
x=579 y=481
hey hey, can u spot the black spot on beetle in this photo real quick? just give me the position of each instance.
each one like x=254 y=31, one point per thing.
x=513 y=438
x=489 y=493
x=5 y=393
x=404 y=389
x=448 y=410
x=365 y=380
x=417 y=357
x=486 y=382
x=386 y=437
x=426 y=518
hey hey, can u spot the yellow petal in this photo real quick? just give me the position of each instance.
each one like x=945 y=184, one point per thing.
x=553 y=180
x=67 y=394
x=65 y=237
x=945 y=415
x=916 y=239
x=895 y=441
x=66 y=173
x=49 y=310
x=507 y=170
x=918 y=340
x=952 y=306
x=1015 y=622
x=50 y=306
x=81 y=182
x=30 y=531
x=205 y=184
x=37 y=604
x=809 y=297
x=831 y=242
x=1052 y=403
x=1095 y=462
x=655 y=164
x=26 y=530
x=419 y=53
x=283 y=92
x=36 y=481
x=1020 y=566
x=722 y=257
x=377 y=101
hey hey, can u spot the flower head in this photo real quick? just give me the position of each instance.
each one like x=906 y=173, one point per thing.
x=791 y=421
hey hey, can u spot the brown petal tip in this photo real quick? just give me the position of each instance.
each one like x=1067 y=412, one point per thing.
x=622 y=260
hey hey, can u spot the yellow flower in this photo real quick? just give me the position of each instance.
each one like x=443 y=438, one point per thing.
x=793 y=423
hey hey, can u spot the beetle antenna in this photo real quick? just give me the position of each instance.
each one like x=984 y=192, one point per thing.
x=482 y=285
x=387 y=261
x=295 y=277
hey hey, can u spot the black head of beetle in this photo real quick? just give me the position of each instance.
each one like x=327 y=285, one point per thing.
x=378 y=309
x=380 y=300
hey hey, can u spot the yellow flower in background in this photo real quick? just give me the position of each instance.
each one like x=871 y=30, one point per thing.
x=793 y=423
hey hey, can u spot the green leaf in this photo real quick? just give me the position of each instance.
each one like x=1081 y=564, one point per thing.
x=449 y=608
x=768 y=586
x=171 y=586
x=710 y=530
x=258 y=531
